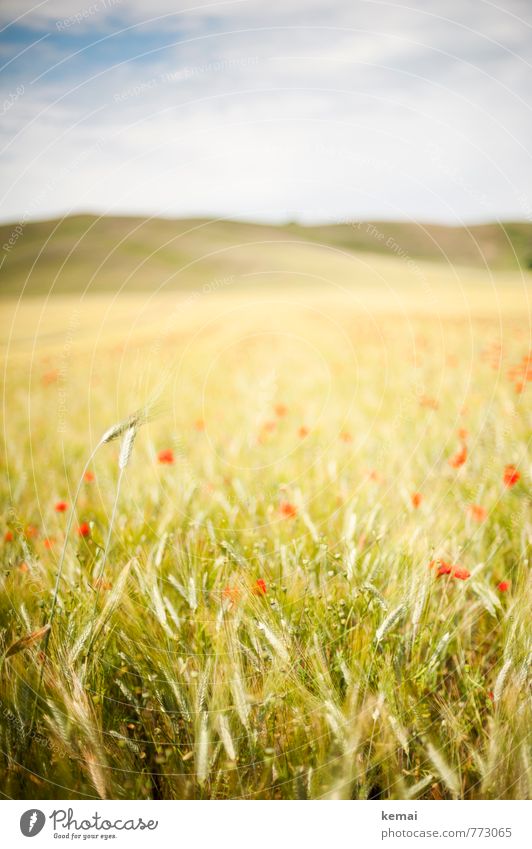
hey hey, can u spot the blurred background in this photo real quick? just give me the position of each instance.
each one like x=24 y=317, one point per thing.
x=296 y=111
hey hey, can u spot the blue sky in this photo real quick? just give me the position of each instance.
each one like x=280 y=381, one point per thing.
x=300 y=109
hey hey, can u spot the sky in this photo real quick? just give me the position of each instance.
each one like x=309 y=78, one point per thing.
x=274 y=110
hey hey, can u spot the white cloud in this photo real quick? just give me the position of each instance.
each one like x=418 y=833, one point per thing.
x=309 y=110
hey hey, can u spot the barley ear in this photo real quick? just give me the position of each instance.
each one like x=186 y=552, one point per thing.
x=127 y=446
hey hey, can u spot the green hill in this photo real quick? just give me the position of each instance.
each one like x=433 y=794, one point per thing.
x=106 y=254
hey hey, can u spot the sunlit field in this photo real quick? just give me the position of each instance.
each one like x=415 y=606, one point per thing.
x=314 y=583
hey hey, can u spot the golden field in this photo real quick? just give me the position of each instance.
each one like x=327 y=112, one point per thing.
x=259 y=617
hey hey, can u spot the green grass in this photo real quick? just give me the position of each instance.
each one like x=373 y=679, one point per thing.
x=360 y=673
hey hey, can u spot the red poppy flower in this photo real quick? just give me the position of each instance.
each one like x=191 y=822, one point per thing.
x=462 y=434
x=48 y=542
x=31 y=532
x=459 y=458
x=61 y=506
x=493 y=355
x=460 y=573
x=84 y=529
x=166 y=456
x=346 y=437
x=511 y=476
x=199 y=424
x=444 y=568
x=88 y=476
x=477 y=512
x=287 y=509
x=303 y=431
x=23 y=567
x=430 y=403
x=280 y=410
x=521 y=373
x=232 y=594
x=260 y=587
x=50 y=377
x=416 y=499
x=8 y=536
x=503 y=586
x=491 y=696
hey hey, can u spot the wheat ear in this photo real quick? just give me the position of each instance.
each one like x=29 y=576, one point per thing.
x=124 y=457
x=124 y=427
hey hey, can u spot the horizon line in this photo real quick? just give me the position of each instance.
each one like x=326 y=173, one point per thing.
x=274 y=222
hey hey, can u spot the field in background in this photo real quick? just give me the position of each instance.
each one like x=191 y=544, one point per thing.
x=106 y=254
x=268 y=624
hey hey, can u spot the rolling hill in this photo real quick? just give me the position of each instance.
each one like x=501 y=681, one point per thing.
x=110 y=253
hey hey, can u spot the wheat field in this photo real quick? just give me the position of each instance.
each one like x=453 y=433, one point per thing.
x=314 y=583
